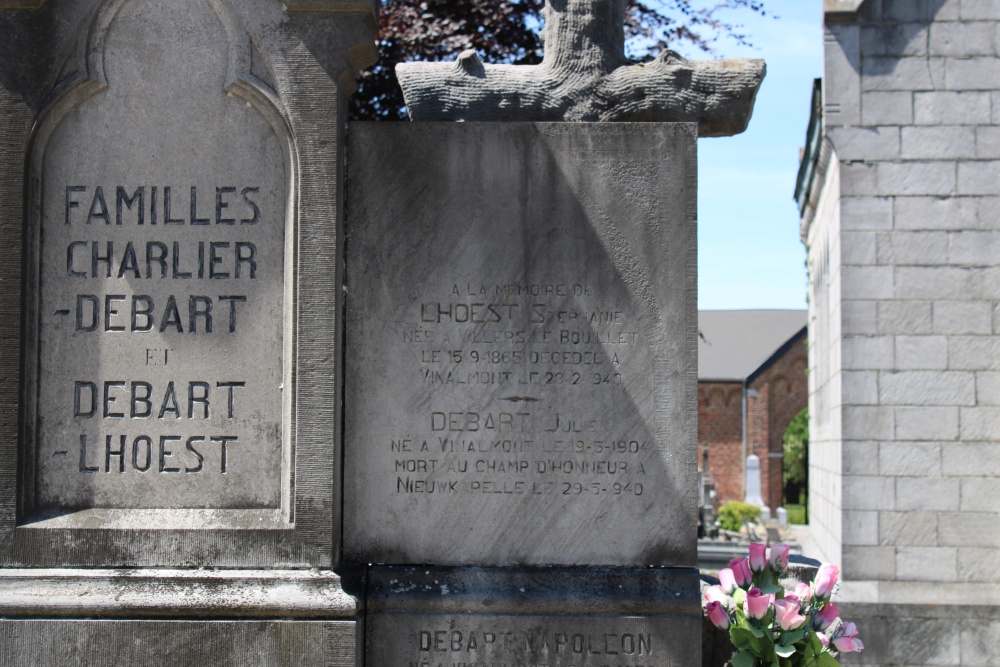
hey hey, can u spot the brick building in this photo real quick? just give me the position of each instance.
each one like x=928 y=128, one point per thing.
x=751 y=383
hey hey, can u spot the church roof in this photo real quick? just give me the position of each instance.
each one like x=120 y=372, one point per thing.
x=734 y=344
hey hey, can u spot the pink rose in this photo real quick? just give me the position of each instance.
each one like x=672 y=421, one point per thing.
x=846 y=639
x=779 y=557
x=848 y=644
x=716 y=594
x=727 y=580
x=758 y=557
x=786 y=612
x=757 y=604
x=741 y=571
x=804 y=593
x=826 y=579
x=717 y=615
x=825 y=617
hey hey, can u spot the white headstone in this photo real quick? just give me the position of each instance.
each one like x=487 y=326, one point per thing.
x=752 y=485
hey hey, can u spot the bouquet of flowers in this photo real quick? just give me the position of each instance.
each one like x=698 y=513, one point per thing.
x=772 y=627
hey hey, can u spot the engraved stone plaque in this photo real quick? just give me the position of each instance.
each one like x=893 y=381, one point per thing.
x=521 y=320
x=172 y=281
x=160 y=314
x=551 y=617
x=162 y=278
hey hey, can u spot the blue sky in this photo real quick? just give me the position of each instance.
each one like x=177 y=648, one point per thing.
x=749 y=252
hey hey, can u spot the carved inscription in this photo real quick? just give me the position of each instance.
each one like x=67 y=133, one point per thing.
x=520 y=334
x=484 y=646
x=164 y=276
x=530 y=358
x=161 y=290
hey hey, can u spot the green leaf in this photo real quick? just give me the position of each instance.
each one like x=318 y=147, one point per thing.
x=771 y=589
x=757 y=632
x=827 y=660
x=815 y=644
x=768 y=654
x=741 y=637
x=743 y=659
x=739 y=595
x=784 y=651
x=793 y=636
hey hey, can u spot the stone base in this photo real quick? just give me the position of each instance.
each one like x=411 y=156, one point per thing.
x=538 y=617
x=26 y=643
x=928 y=634
x=102 y=618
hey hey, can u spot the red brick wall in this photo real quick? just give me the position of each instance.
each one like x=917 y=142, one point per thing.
x=720 y=414
x=781 y=393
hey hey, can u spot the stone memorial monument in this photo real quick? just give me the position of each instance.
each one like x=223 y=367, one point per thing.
x=512 y=471
x=520 y=413
x=170 y=215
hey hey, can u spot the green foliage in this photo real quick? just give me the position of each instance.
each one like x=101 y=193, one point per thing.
x=795 y=473
x=796 y=442
x=734 y=513
x=796 y=514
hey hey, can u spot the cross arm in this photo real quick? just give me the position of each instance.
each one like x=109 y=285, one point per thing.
x=717 y=94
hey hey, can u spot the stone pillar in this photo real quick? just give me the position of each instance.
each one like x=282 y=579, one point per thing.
x=170 y=208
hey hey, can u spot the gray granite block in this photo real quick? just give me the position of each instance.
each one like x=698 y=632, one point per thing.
x=521 y=326
x=586 y=617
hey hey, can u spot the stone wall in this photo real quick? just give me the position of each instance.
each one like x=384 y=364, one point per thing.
x=904 y=256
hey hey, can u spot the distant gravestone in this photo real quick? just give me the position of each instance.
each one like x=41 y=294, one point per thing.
x=521 y=327
x=169 y=213
x=752 y=483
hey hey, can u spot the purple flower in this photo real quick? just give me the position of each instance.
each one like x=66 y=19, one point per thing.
x=727 y=580
x=717 y=614
x=825 y=617
x=716 y=594
x=741 y=571
x=826 y=579
x=845 y=639
x=787 y=614
x=757 y=604
x=758 y=556
x=779 y=557
x=804 y=593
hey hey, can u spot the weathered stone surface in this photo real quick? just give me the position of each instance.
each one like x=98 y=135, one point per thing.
x=161 y=250
x=165 y=593
x=545 y=616
x=170 y=176
x=178 y=643
x=834 y=7
x=585 y=76
x=521 y=320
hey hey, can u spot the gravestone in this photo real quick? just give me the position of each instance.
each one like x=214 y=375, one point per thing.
x=520 y=413
x=521 y=331
x=539 y=616
x=520 y=326
x=170 y=216
x=752 y=483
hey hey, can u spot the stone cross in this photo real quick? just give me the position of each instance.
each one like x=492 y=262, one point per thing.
x=585 y=76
